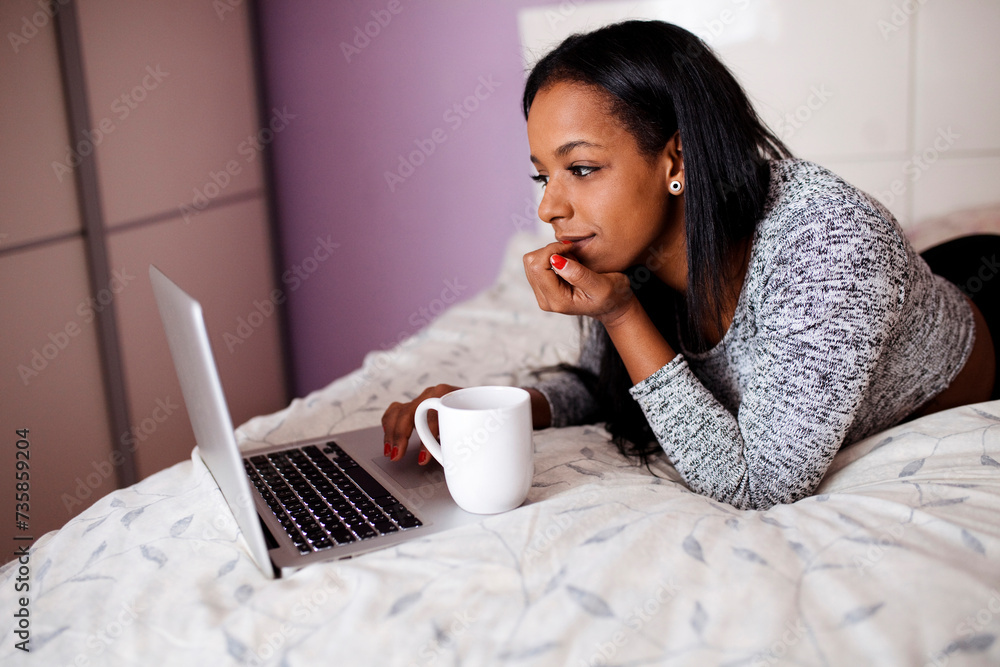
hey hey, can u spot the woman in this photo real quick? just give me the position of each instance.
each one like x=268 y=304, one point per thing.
x=746 y=313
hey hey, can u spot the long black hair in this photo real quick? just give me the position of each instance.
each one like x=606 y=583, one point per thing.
x=661 y=79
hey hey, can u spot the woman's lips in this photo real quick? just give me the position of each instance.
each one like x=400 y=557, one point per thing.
x=577 y=243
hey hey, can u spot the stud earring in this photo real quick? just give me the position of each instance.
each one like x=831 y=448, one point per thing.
x=676 y=187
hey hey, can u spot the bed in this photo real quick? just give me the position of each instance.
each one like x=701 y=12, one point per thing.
x=894 y=561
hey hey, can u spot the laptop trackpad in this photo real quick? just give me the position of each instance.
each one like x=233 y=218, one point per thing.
x=408 y=474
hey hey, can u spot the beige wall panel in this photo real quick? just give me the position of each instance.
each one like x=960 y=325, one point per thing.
x=51 y=384
x=172 y=81
x=37 y=199
x=223 y=260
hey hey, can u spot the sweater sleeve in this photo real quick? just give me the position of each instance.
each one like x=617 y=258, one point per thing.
x=570 y=400
x=831 y=296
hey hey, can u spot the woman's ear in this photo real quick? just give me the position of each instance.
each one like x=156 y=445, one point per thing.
x=674 y=163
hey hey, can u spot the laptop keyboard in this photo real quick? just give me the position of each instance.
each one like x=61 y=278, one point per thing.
x=322 y=503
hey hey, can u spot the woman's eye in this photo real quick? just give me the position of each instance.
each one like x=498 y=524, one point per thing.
x=539 y=178
x=581 y=170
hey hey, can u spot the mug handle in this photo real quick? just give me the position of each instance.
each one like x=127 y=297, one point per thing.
x=423 y=430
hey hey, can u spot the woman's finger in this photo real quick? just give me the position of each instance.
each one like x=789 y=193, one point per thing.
x=550 y=291
x=394 y=429
x=399 y=419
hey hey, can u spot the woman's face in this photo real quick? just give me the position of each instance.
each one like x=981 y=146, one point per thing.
x=601 y=192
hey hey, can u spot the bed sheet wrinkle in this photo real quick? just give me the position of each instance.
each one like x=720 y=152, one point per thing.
x=895 y=560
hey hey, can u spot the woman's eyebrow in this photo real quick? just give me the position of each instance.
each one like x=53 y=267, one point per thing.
x=568 y=147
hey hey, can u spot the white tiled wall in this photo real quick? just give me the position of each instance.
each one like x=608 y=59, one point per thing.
x=900 y=97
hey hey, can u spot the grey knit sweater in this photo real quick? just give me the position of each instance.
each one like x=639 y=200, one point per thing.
x=840 y=331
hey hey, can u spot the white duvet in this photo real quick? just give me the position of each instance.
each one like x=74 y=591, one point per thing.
x=895 y=561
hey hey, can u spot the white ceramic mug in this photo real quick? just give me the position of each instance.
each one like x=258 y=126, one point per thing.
x=486 y=447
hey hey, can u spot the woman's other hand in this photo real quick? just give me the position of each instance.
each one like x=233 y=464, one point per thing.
x=397 y=423
x=564 y=285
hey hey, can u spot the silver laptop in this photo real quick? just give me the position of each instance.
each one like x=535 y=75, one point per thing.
x=326 y=499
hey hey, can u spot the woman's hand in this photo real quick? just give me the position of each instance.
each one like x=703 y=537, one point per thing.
x=571 y=288
x=397 y=423
x=564 y=285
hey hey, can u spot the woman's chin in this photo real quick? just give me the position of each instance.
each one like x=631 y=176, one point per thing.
x=598 y=262
x=599 y=266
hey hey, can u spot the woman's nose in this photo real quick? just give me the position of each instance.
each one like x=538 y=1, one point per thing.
x=554 y=205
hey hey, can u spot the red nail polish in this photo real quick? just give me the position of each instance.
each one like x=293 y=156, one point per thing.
x=423 y=458
x=558 y=261
x=395 y=452
x=388 y=448
x=567 y=242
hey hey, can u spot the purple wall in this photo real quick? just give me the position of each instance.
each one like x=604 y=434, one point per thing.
x=442 y=222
